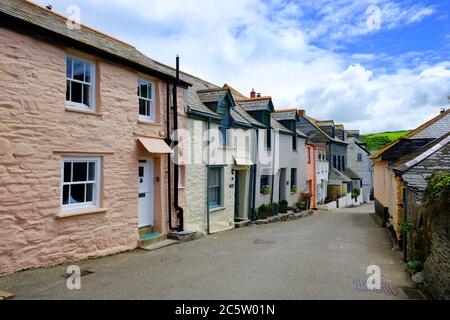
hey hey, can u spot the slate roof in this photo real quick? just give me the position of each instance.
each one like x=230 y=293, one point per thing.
x=314 y=122
x=411 y=134
x=211 y=95
x=238 y=109
x=27 y=15
x=236 y=94
x=256 y=104
x=352 y=174
x=414 y=158
x=336 y=175
x=301 y=134
x=280 y=115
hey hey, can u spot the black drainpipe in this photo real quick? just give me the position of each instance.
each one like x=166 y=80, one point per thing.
x=169 y=162
x=254 y=168
x=178 y=209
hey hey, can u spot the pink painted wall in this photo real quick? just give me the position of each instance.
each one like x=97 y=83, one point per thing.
x=35 y=129
x=310 y=172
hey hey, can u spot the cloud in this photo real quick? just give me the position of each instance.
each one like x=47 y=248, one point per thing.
x=286 y=49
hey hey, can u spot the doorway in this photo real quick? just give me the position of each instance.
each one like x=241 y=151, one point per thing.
x=146 y=193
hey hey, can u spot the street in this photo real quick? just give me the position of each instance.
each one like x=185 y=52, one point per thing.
x=323 y=256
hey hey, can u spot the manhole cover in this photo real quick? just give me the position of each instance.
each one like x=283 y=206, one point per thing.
x=262 y=241
x=386 y=289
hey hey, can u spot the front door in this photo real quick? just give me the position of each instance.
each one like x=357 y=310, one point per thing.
x=282 y=185
x=145 y=182
x=237 y=194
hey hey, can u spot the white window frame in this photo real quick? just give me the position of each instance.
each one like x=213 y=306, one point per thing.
x=152 y=117
x=95 y=203
x=92 y=86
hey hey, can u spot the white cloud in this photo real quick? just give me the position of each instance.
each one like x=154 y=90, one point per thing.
x=273 y=47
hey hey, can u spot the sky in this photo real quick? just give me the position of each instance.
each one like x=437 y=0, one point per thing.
x=372 y=65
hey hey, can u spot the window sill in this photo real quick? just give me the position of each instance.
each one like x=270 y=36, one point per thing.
x=216 y=209
x=149 y=122
x=81 y=212
x=75 y=110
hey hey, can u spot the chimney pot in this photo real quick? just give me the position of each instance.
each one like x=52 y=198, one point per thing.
x=258 y=95
x=253 y=94
x=49 y=7
x=301 y=113
x=443 y=110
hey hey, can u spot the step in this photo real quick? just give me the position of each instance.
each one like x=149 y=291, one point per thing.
x=159 y=245
x=144 y=230
x=183 y=236
x=241 y=224
x=146 y=239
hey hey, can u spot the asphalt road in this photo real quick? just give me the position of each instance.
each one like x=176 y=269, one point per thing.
x=323 y=256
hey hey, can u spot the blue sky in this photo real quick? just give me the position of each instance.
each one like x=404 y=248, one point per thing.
x=373 y=65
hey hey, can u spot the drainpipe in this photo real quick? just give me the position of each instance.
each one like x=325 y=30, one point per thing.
x=208 y=222
x=273 y=146
x=254 y=168
x=169 y=163
x=178 y=209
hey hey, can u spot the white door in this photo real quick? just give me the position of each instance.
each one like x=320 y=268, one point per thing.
x=145 y=181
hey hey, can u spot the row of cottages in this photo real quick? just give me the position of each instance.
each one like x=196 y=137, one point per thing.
x=393 y=170
x=103 y=149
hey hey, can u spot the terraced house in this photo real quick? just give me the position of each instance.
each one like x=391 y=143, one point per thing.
x=85 y=125
x=388 y=177
x=281 y=152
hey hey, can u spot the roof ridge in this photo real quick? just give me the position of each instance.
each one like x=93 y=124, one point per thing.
x=30 y=2
x=255 y=99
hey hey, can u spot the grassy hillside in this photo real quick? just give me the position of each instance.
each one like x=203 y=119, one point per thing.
x=376 y=140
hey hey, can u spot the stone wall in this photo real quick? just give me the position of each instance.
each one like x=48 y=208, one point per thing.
x=437 y=265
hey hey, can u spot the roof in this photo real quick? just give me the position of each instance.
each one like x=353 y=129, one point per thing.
x=325 y=122
x=336 y=175
x=256 y=104
x=412 y=159
x=278 y=126
x=301 y=134
x=411 y=134
x=314 y=122
x=238 y=109
x=236 y=94
x=281 y=115
x=31 y=18
x=352 y=174
x=211 y=95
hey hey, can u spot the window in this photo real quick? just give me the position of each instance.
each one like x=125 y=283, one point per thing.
x=215 y=187
x=181 y=176
x=339 y=163
x=265 y=183
x=309 y=155
x=334 y=162
x=294 y=142
x=293 y=177
x=359 y=157
x=146 y=94
x=223 y=136
x=80 y=183
x=80 y=90
x=268 y=139
x=343 y=163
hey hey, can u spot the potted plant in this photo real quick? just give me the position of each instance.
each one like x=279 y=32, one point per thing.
x=301 y=205
x=275 y=209
x=294 y=189
x=262 y=212
x=355 y=194
x=266 y=189
x=283 y=206
x=306 y=198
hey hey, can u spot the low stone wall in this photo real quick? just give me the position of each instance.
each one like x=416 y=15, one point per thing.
x=437 y=265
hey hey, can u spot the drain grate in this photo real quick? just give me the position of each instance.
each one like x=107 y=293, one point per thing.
x=262 y=241
x=413 y=294
x=386 y=289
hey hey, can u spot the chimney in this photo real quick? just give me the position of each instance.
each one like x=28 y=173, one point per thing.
x=258 y=95
x=253 y=94
x=443 y=110
x=49 y=7
x=301 y=113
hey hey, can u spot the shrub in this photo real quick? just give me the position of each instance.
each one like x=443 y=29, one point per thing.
x=356 y=193
x=301 y=205
x=275 y=208
x=261 y=212
x=294 y=189
x=283 y=206
x=415 y=265
x=266 y=189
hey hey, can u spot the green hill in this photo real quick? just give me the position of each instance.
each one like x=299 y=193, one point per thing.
x=377 y=140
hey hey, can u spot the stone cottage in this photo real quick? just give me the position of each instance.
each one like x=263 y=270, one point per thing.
x=84 y=133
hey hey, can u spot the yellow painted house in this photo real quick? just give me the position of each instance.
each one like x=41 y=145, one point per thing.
x=388 y=187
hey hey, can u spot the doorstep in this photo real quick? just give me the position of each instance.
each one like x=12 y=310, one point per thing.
x=6 y=295
x=159 y=245
x=149 y=238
